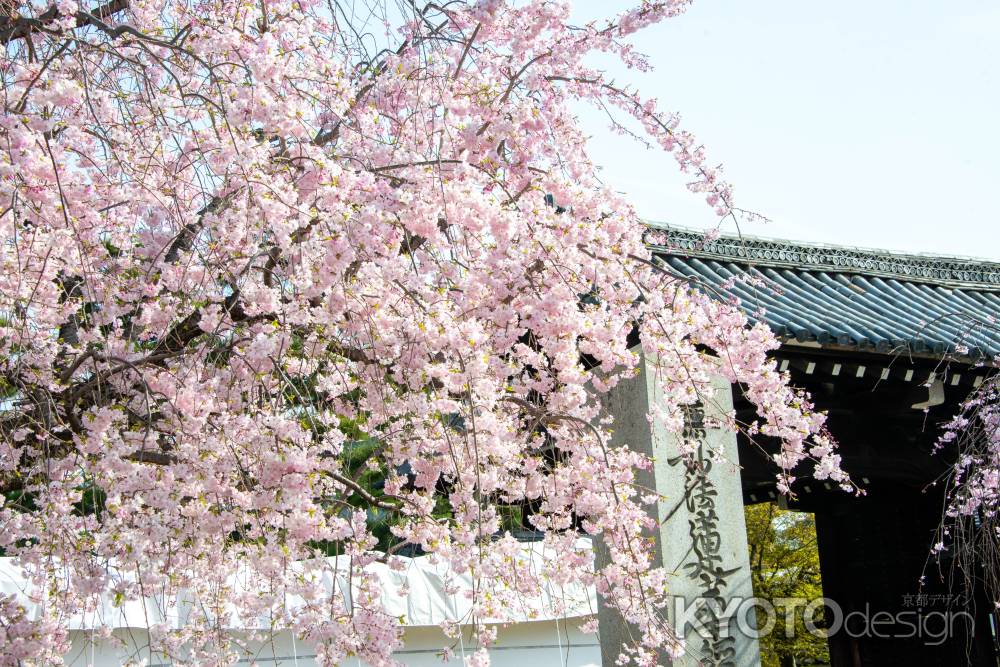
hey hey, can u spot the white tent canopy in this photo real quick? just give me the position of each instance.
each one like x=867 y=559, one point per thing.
x=418 y=594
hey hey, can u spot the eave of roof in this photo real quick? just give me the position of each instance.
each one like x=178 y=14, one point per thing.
x=964 y=272
x=846 y=297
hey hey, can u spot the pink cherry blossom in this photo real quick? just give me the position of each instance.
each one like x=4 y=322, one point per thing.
x=970 y=527
x=243 y=243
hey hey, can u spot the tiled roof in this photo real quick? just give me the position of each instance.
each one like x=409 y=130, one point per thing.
x=869 y=300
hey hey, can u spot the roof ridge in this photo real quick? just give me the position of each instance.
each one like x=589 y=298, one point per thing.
x=757 y=251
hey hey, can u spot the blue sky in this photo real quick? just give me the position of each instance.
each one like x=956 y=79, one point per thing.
x=859 y=123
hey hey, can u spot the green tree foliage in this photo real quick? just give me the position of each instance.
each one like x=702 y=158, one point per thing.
x=784 y=561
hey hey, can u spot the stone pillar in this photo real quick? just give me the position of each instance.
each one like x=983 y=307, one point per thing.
x=701 y=539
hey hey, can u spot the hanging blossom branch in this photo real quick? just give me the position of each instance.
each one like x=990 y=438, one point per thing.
x=970 y=527
x=267 y=299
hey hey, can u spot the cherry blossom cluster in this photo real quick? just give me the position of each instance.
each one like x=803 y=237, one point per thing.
x=971 y=524
x=25 y=639
x=241 y=243
x=977 y=472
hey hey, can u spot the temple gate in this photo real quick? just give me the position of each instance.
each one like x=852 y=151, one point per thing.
x=888 y=345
